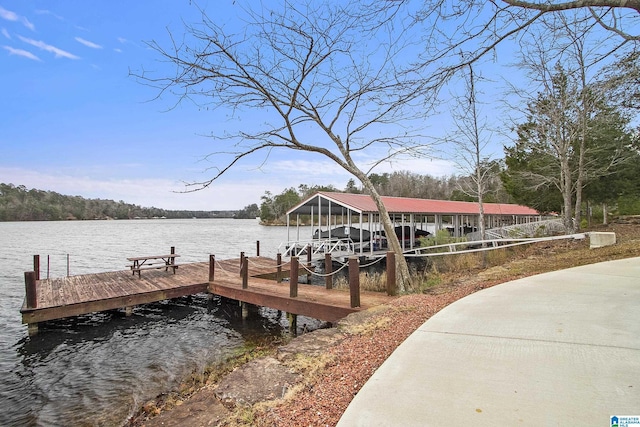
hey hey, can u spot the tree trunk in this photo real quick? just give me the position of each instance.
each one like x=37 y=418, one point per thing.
x=403 y=276
x=566 y=195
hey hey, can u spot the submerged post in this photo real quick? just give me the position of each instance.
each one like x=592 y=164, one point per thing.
x=30 y=288
x=279 y=268
x=293 y=280
x=212 y=267
x=293 y=324
x=391 y=274
x=257 y=247
x=36 y=266
x=354 y=281
x=245 y=273
x=328 y=269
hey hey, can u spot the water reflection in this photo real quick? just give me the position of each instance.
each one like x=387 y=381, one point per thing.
x=98 y=369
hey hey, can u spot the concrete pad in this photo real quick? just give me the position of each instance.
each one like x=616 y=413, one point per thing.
x=561 y=348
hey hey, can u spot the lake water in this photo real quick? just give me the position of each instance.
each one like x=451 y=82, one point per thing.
x=98 y=369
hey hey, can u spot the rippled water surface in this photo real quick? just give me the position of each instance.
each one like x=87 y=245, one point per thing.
x=97 y=369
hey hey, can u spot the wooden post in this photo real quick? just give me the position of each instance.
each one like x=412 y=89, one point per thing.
x=245 y=273
x=245 y=310
x=241 y=261
x=293 y=324
x=30 y=287
x=308 y=264
x=212 y=267
x=279 y=268
x=68 y=268
x=128 y=311
x=293 y=280
x=173 y=260
x=36 y=266
x=391 y=274
x=32 y=329
x=354 y=281
x=257 y=247
x=328 y=269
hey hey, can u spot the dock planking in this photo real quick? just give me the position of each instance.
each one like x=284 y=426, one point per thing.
x=77 y=295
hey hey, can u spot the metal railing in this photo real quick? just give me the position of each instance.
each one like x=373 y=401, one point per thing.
x=317 y=247
x=547 y=227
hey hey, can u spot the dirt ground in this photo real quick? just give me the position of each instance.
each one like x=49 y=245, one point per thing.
x=311 y=380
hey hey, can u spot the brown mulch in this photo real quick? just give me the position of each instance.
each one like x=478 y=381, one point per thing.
x=356 y=358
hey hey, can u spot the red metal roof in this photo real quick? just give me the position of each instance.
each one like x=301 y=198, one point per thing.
x=364 y=204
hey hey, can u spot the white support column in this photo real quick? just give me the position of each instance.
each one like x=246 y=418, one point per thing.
x=312 y=225
x=412 y=237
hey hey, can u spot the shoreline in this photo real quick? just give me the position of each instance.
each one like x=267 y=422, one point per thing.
x=330 y=365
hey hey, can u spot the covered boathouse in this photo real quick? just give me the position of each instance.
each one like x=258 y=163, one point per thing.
x=350 y=223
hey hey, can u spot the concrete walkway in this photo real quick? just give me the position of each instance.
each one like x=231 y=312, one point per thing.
x=556 y=349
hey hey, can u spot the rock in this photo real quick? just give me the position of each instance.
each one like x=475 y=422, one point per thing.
x=312 y=344
x=203 y=410
x=259 y=380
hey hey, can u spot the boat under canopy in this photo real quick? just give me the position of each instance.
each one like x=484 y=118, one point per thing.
x=350 y=223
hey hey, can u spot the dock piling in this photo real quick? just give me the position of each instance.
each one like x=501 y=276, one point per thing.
x=30 y=286
x=257 y=248
x=293 y=280
x=36 y=266
x=212 y=267
x=279 y=268
x=328 y=269
x=293 y=324
x=391 y=274
x=354 y=281
x=309 y=250
x=245 y=273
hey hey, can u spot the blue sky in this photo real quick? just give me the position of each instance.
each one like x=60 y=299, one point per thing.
x=72 y=120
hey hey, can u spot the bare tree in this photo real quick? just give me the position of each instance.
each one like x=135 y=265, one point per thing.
x=327 y=79
x=616 y=16
x=471 y=138
x=562 y=137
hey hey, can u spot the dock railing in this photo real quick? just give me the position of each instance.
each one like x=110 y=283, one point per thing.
x=317 y=247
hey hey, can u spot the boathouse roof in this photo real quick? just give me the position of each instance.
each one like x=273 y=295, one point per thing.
x=363 y=204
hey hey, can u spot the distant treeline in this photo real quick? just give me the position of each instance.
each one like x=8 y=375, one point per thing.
x=17 y=203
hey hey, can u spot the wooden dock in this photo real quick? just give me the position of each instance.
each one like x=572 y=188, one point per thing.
x=76 y=295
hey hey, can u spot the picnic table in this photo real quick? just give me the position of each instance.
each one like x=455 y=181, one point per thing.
x=153 y=262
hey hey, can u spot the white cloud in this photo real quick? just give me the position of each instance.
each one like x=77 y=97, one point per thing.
x=117 y=50
x=88 y=43
x=6 y=33
x=20 y=52
x=59 y=53
x=14 y=17
x=8 y=15
x=147 y=192
x=48 y=12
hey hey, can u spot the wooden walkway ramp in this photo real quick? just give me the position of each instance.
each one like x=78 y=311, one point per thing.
x=76 y=295
x=312 y=300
